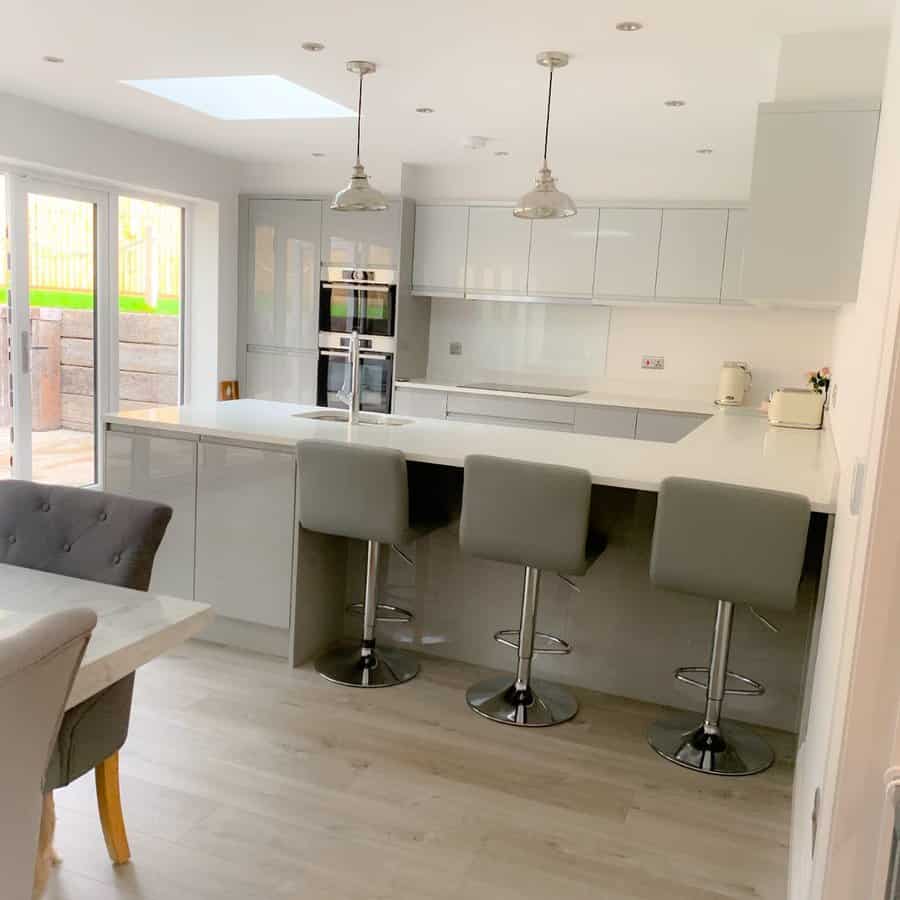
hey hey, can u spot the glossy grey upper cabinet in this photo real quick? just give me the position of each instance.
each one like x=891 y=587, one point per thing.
x=691 y=254
x=362 y=240
x=733 y=272
x=283 y=273
x=809 y=200
x=627 y=252
x=498 y=248
x=562 y=256
x=439 y=255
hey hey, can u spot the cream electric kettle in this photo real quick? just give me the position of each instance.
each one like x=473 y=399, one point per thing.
x=735 y=379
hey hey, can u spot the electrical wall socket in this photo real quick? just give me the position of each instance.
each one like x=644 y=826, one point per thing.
x=456 y=348
x=653 y=362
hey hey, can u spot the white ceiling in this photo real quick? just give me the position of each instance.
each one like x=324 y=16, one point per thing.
x=471 y=61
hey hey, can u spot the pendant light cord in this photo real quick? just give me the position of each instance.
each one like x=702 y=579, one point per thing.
x=359 y=116
x=547 y=126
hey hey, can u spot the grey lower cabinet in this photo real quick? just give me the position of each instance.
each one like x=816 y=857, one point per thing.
x=424 y=404
x=245 y=531
x=547 y=415
x=667 y=427
x=516 y=411
x=606 y=421
x=151 y=466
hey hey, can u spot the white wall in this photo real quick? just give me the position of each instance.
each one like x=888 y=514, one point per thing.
x=780 y=345
x=864 y=342
x=585 y=346
x=62 y=144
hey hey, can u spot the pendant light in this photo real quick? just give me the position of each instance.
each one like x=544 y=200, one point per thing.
x=546 y=201
x=359 y=195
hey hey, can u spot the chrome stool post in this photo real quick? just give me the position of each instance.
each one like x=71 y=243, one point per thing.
x=363 y=493
x=714 y=746
x=505 y=517
x=524 y=700
x=365 y=664
x=733 y=545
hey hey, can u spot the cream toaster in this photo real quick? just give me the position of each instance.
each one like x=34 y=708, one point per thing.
x=796 y=408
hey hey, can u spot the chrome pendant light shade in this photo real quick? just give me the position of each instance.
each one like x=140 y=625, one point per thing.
x=545 y=200
x=359 y=195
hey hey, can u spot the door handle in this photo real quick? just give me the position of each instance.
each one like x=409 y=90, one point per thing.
x=26 y=352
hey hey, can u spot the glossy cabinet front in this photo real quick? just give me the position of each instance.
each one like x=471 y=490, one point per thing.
x=289 y=376
x=497 y=262
x=152 y=467
x=439 y=256
x=562 y=256
x=691 y=254
x=627 y=252
x=282 y=281
x=362 y=240
x=245 y=532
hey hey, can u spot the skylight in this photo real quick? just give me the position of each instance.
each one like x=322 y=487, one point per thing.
x=244 y=97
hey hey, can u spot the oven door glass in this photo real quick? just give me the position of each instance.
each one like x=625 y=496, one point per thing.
x=376 y=376
x=369 y=310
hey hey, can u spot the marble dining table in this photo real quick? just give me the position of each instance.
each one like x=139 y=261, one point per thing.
x=133 y=627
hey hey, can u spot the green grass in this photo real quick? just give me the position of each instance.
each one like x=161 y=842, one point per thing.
x=133 y=303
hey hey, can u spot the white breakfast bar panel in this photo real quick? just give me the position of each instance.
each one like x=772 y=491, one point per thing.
x=628 y=637
x=732 y=446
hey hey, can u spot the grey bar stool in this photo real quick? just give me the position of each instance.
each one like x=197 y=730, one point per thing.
x=536 y=516
x=732 y=545
x=364 y=493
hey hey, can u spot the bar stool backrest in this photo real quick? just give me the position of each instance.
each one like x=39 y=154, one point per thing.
x=531 y=514
x=354 y=491
x=725 y=542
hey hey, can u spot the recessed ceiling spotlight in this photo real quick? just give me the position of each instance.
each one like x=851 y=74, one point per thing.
x=705 y=151
x=318 y=155
x=313 y=46
x=501 y=153
x=53 y=59
x=675 y=103
x=629 y=26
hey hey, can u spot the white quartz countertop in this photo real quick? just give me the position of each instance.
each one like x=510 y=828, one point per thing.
x=732 y=446
x=687 y=400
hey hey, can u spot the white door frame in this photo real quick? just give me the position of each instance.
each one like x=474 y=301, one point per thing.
x=20 y=186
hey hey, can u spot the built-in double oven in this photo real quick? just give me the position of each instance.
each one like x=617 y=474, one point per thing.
x=362 y=300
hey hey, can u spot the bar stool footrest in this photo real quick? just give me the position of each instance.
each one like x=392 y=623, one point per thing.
x=395 y=614
x=509 y=637
x=753 y=689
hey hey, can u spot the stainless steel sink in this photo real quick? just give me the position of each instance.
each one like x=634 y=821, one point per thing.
x=341 y=415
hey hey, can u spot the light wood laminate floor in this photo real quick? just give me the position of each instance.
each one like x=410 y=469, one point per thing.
x=244 y=780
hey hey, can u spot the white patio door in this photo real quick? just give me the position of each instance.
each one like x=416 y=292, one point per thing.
x=58 y=320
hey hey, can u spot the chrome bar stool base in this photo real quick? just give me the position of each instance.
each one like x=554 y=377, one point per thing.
x=734 y=750
x=543 y=703
x=383 y=667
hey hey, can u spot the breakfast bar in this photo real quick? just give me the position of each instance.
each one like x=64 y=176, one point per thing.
x=230 y=471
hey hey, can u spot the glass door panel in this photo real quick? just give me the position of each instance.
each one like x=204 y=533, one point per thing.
x=54 y=314
x=150 y=304
x=5 y=392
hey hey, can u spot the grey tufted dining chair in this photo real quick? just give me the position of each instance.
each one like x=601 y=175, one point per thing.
x=98 y=537
x=37 y=668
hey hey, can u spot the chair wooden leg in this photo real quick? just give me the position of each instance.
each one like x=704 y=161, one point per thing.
x=109 y=804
